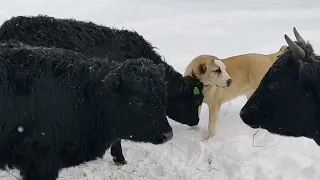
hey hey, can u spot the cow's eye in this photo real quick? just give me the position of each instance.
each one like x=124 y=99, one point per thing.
x=136 y=101
x=273 y=86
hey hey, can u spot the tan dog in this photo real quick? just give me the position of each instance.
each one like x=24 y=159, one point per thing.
x=246 y=72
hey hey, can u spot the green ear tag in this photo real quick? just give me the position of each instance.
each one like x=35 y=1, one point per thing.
x=196 y=91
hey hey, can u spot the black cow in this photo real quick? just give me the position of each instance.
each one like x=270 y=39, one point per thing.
x=287 y=101
x=59 y=109
x=99 y=41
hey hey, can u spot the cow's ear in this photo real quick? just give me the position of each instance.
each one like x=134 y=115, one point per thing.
x=308 y=73
x=113 y=81
x=162 y=69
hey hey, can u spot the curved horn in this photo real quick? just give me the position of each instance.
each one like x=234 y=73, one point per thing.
x=297 y=51
x=297 y=35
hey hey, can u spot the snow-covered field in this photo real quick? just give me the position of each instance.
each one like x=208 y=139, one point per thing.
x=183 y=29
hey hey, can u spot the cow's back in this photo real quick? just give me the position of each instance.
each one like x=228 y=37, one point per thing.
x=87 y=38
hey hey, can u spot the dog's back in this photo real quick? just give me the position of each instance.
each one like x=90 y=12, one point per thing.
x=249 y=69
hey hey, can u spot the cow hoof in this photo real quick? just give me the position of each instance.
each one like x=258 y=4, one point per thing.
x=196 y=127
x=119 y=161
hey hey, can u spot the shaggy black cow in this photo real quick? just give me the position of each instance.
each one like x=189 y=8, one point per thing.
x=287 y=100
x=184 y=93
x=59 y=109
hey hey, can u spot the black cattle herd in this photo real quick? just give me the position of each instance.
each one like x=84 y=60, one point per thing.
x=70 y=90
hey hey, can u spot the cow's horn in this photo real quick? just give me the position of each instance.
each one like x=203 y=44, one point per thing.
x=297 y=35
x=297 y=51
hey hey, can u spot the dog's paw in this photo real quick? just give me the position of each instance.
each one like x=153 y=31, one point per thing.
x=205 y=138
x=196 y=127
x=212 y=134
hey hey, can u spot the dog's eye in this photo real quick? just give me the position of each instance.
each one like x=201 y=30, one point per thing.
x=217 y=70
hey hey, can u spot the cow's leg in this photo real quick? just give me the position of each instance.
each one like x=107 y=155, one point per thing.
x=5 y=153
x=116 y=153
x=43 y=164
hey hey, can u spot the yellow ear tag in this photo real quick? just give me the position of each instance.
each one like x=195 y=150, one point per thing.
x=196 y=91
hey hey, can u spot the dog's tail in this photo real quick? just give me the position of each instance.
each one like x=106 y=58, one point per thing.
x=282 y=49
x=279 y=53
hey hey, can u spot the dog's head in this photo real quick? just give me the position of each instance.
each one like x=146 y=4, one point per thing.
x=210 y=70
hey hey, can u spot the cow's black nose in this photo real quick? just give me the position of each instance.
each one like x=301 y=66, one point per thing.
x=167 y=136
x=229 y=81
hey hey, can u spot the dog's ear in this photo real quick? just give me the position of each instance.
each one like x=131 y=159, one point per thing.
x=194 y=75
x=202 y=68
x=215 y=58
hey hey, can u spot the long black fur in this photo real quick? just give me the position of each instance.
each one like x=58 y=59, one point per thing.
x=287 y=100
x=99 y=41
x=59 y=108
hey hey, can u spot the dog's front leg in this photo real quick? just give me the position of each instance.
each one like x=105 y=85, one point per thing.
x=214 y=111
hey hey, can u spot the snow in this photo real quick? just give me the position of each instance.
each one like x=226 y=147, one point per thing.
x=20 y=129
x=183 y=29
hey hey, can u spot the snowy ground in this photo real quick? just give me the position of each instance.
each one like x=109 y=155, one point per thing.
x=183 y=29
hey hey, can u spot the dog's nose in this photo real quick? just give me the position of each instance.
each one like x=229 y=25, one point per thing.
x=167 y=136
x=229 y=81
